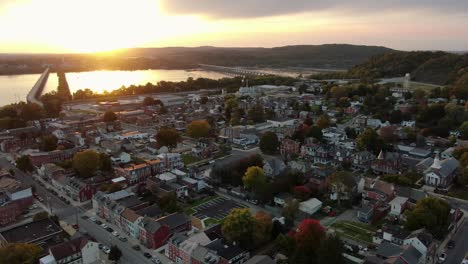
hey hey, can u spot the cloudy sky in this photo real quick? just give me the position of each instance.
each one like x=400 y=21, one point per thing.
x=96 y=25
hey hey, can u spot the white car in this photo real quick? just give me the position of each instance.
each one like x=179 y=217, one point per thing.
x=442 y=257
x=106 y=249
x=93 y=219
x=104 y=226
x=115 y=233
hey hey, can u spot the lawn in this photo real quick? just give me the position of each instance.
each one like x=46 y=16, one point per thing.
x=189 y=159
x=355 y=231
x=460 y=192
x=210 y=222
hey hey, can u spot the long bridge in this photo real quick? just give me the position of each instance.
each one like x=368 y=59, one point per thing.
x=235 y=71
x=36 y=90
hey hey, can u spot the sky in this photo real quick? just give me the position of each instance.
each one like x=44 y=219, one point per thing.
x=55 y=26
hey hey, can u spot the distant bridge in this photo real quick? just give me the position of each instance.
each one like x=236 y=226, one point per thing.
x=236 y=71
x=38 y=88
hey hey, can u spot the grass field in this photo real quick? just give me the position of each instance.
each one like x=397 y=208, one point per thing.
x=355 y=231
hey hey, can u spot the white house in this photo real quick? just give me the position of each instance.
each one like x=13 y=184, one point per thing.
x=79 y=250
x=397 y=206
x=422 y=241
x=441 y=173
x=122 y=157
x=131 y=135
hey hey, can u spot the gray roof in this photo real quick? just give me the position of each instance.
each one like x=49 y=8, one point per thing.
x=448 y=166
x=173 y=220
x=150 y=224
x=411 y=255
x=387 y=249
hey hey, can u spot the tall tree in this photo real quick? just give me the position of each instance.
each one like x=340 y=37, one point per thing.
x=308 y=237
x=168 y=137
x=263 y=228
x=20 y=253
x=86 y=163
x=48 y=143
x=115 y=254
x=24 y=164
x=369 y=140
x=198 y=129
x=149 y=101
x=464 y=130
x=323 y=121
x=269 y=143
x=431 y=213
x=254 y=178
x=290 y=210
x=331 y=250
x=341 y=183
x=239 y=226
x=257 y=113
x=109 y=116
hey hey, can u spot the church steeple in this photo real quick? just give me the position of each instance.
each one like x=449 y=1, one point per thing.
x=381 y=155
x=436 y=164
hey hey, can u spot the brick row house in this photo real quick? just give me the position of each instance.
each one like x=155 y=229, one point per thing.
x=39 y=158
x=15 y=197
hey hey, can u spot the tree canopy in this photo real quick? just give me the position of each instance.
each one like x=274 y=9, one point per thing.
x=369 y=140
x=431 y=213
x=24 y=164
x=198 y=129
x=239 y=226
x=254 y=178
x=269 y=143
x=86 y=163
x=323 y=121
x=115 y=254
x=19 y=253
x=109 y=116
x=167 y=137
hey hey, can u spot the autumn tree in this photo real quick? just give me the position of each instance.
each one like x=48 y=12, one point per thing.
x=342 y=183
x=168 y=137
x=86 y=163
x=239 y=226
x=198 y=129
x=308 y=238
x=388 y=134
x=48 y=143
x=369 y=140
x=23 y=163
x=289 y=210
x=20 y=253
x=269 y=143
x=263 y=228
x=464 y=130
x=301 y=192
x=323 y=121
x=114 y=187
x=109 y=116
x=32 y=111
x=254 y=178
x=149 y=101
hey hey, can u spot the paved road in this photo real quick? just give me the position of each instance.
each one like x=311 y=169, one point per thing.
x=61 y=209
x=457 y=254
x=129 y=255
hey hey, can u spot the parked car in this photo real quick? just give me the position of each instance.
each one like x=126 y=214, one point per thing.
x=136 y=247
x=442 y=257
x=451 y=244
x=104 y=226
x=115 y=233
x=100 y=246
x=106 y=249
x=75 y=226
x=155 y=260
x=98 y=222
x=109 y=229
x=84 y=217
x=122 y=238
x=147 y=255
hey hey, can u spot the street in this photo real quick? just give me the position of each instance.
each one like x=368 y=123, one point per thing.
x=457 y=254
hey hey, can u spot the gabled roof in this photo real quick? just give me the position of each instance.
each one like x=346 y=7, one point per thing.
x=69 y=248
x=130 y=215
x=173 y=220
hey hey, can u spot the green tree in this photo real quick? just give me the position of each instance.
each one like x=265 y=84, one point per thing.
x=289 y=210
x=314 y=132
x=23 y=163
x=115 y=254
x=52 y=104
x=331 y=250
x=323 y=121
x=198 y=129
x=149 y=101
x=269 y=143
x=86 y=163
x=369 y=140
x=431 y=213
x=168 y=203
x=254 y=178
x=40 y=216
x=239 y=226
x=464 y=130
x=48 y=143
x=109 y=116
x=463 y=177
x=203 y=100
x=341 y=183
x=105 y=163
x=32 y=111
x=286 y=244
x=20 y=253
x=167 y=137
x=257 y=113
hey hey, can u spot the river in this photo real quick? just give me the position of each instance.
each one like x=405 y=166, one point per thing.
x=14 y=88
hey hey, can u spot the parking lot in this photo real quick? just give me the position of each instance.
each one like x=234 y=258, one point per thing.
x=217 y=208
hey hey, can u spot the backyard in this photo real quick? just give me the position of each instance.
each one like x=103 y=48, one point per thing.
x=355 y=231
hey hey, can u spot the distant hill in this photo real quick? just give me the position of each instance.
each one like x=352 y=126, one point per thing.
x=333 y=56
x=425 y=66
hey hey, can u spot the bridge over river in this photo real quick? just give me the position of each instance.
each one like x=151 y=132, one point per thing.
x=36 y=90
